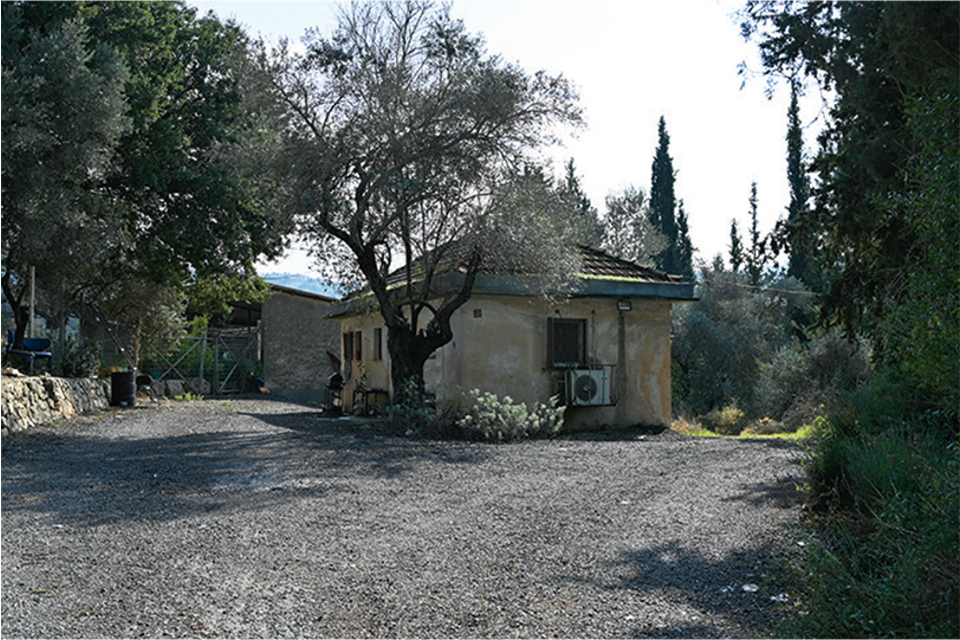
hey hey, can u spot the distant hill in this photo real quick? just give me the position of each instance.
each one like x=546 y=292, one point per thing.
x=302 y=283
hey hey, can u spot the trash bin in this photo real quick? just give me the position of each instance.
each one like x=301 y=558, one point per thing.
x=123 y=389
x=335 y=393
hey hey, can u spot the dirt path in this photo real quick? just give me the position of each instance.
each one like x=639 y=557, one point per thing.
x=252 y=518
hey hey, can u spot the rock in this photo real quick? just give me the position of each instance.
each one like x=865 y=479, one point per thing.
x=174 y=388
x=198 y=386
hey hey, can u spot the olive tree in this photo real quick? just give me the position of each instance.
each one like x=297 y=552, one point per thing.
x=406 y=140
x=627 y=230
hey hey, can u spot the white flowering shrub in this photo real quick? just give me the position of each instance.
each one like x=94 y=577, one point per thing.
x=488 y=417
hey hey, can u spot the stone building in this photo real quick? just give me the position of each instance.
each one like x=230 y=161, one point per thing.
x=297 y=344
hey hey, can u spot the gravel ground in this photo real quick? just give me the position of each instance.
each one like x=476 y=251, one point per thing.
x=255 y=518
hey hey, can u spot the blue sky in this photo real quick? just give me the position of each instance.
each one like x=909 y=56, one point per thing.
x=632 y=62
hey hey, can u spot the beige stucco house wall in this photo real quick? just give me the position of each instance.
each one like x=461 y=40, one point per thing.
x=295 y=343
x=501 y=345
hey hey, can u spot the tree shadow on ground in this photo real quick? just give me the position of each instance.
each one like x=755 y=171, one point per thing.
x=227 y=462
x=712 y=588
x=782 y=493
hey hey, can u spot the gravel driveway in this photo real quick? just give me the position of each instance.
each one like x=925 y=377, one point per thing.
x=256 y=518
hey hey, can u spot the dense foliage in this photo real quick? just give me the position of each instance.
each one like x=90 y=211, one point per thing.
x=885 y=200
x=885 y=229
x=751 y=348
x=133 y=138
x=63 y=115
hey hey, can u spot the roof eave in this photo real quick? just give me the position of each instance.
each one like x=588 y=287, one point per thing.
x=525 y=286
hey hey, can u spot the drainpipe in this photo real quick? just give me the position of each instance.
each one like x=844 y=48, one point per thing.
x=621 y=411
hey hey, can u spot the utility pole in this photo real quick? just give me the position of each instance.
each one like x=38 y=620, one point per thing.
x=33 y=300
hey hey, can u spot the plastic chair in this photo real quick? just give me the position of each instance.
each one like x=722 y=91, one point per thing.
x=33 y=349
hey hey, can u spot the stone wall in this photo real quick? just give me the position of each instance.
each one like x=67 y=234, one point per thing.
x=296 y=340
x=35 y=400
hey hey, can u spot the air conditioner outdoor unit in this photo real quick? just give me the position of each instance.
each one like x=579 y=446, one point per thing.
x=588 y=387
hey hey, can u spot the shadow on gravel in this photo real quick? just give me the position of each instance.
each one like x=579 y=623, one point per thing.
x=782 y=493
x=712 y=588
x=94 y=480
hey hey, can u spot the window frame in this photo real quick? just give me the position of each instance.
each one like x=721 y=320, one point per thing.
x=556 y=326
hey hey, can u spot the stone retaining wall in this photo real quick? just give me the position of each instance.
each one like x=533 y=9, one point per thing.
x=36 y=400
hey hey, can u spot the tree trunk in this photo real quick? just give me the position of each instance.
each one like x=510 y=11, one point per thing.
x=408 y=353
x=21 y=314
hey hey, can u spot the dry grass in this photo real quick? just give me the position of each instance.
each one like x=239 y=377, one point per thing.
x=760 y=429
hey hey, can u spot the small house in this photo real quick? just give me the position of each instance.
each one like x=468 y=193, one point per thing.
x=602 y=347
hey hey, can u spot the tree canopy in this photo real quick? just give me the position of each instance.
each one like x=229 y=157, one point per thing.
x=132 y=138
x=885 y=200
x=406 y=140
x=64 y=111
x=627 y=230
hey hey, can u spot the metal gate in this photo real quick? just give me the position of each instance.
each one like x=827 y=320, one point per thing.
x=224 y=358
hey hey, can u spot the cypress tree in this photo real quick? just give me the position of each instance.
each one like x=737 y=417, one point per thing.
x=756 y=252
x=586 y=214
x=684 y=245
x=736 y=247
x=663 y=202
x=801 y=264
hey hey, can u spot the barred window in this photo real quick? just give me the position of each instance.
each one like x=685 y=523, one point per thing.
x=566 y=342
x=378 y=344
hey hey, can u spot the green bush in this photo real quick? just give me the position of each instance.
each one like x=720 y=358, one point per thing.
x=885 y=479
x=80 y=359
x=412 y=416
x=720 y=342
x=493 y=419
x=800 y=379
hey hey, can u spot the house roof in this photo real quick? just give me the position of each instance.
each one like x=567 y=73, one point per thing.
x=600 y=274
x=300 y=292
x=597 y=264
x=594 y=264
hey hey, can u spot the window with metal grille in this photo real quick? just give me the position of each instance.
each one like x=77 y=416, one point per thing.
x=358 y=345
x=566 y=342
